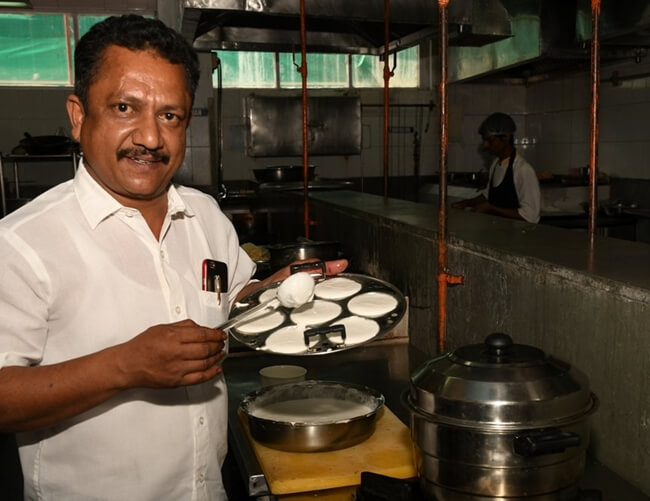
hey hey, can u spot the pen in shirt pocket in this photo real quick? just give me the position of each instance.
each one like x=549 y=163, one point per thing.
x=214 y=277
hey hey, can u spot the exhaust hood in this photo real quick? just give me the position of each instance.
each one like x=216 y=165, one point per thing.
x=337 y=26
x=552 y=38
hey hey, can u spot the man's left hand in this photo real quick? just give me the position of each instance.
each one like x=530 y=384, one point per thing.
x=333 y=267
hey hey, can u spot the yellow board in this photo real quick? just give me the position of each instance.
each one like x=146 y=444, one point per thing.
x=388 y=451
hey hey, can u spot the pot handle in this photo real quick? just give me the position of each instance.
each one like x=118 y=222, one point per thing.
x=547 y=441
x=323 y=341
x=314 y=268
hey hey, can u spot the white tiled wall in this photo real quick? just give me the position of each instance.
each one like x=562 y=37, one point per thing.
x=553 y=117
x=562 y=108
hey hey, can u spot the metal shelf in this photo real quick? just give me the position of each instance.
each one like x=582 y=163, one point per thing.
x=16 y=160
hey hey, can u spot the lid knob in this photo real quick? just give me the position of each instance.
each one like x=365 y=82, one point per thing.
x=498 y=344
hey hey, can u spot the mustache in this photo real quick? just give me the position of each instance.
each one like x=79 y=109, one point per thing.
x=152 y=155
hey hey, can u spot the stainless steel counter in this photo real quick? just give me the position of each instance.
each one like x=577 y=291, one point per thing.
x=383 y=365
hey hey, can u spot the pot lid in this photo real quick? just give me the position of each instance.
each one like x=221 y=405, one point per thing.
x=500 y=385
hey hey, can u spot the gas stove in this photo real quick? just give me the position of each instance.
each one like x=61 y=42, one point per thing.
x=375 y=487
x=385 y=366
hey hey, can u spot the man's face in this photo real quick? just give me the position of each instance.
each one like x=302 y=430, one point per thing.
x=132 y=133
x=497 y=145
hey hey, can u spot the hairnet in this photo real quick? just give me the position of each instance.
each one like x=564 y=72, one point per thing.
x=497 y=124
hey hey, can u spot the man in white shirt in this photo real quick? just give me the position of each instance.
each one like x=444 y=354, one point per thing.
x=109 y=357
x=512 y=189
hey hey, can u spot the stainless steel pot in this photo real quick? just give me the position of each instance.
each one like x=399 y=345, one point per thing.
x=286 y=253
x=329 y=432
x=499 y=420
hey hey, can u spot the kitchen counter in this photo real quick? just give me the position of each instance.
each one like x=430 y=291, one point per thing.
x=384 y=365
x=626 y=263
x=617 y=226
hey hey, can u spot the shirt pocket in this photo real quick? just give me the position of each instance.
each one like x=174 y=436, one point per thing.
x=214 y=312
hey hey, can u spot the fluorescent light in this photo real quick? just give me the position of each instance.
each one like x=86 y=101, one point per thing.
x=18 y=4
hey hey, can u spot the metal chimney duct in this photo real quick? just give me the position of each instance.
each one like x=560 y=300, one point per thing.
x=339 y=26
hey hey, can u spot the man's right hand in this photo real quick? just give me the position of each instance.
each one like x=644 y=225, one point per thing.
x=163 y=356
x=169 y=355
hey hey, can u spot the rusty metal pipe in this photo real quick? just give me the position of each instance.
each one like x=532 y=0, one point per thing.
x=593 y=136
x=387 y=75
x=444 y=278
x=305 y=130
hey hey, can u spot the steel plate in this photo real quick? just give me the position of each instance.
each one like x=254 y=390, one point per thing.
x=325 y=338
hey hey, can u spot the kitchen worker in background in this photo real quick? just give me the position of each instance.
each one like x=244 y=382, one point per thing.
x=109 y=357
x=512 y=189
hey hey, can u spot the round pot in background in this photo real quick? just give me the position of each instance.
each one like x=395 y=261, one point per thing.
x=283 y=173
x=283 y=254
x=46 y=145
x=498 y=420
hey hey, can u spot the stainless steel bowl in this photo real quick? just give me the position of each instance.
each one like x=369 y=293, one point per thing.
x=327 y=434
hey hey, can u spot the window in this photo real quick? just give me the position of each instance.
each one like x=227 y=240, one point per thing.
x=323 y=71
x=264 y=70
x=34 y=49
x=368 y=71
x=246 y=69
x=85 y=22
x=37 y=49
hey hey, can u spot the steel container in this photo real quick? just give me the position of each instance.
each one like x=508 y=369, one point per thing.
x=499 y=420
x=312 y=436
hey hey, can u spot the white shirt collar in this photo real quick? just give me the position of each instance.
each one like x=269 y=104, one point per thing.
x=97 y=204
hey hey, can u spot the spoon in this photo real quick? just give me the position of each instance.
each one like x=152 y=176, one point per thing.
x=293 y=292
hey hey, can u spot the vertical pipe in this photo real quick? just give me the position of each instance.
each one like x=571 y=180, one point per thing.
x=442 y=202
x=220 y=186
x=305 y=130
x=387 y=75
x=593 y=139
x=69 y=50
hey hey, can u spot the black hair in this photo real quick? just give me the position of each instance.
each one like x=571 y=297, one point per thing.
x=135 y=33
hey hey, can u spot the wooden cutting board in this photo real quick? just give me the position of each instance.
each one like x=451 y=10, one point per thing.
x=388 y=451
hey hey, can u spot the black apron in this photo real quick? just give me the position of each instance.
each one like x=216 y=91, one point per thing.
x=504 y=195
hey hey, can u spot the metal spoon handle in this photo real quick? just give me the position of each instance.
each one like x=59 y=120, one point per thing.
x=244 y=315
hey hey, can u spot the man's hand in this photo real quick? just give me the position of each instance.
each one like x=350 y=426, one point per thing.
x=483 y=206
x=487 y=208
x=332 y=267
x=178 y=354
x=163 y=356
x=470 y=202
